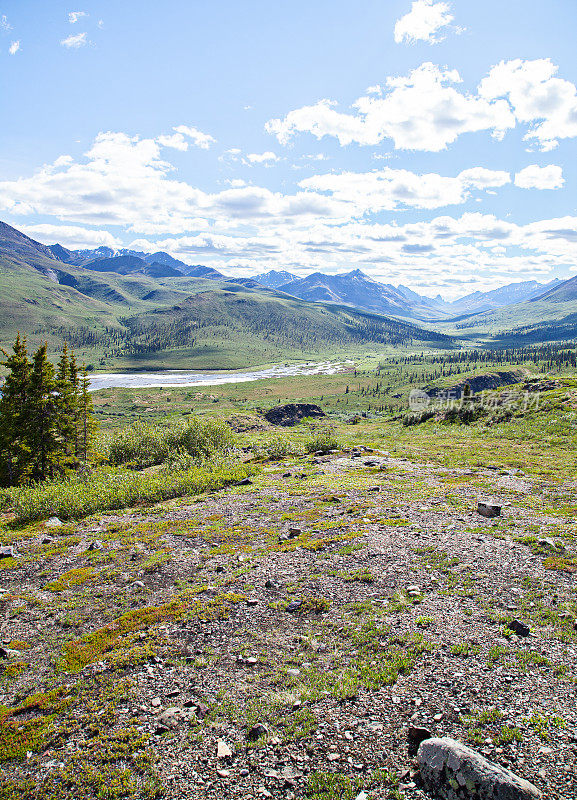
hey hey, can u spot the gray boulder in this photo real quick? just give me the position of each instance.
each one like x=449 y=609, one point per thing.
x=452 y=771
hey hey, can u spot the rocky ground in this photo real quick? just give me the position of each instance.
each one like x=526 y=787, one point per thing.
x=278 y=639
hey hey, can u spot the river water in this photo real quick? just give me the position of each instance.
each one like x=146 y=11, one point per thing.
x=178 y=377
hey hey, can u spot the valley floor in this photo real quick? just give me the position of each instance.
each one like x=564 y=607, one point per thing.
x=144 y=644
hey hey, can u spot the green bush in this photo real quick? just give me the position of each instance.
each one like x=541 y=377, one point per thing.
x=143 y=445
x=323 y=441
x=5 y=498
x=417 y=417
x=276 y=447
x=110 y=488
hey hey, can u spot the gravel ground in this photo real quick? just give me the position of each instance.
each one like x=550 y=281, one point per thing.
x=333 y=602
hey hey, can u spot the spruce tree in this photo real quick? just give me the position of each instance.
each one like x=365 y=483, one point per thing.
x=14 y=450
x=74 y=378
x=44 y=439
x=67 y=407
x=86 y=418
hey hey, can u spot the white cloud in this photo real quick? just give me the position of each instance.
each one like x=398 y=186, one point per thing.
x=70 y=236
x=14 y=47
x=199 y=139
x=4 y=24
x=481 y=178
x=389 y=189
x=547 y=103
x=423 y=22
x=127 y=184
x=535 y=177
x=426 y=111
x=423 y=111
x=74 y=16
x=125 y=181
x=262 y=158
x=185 y=135
x=75 y=40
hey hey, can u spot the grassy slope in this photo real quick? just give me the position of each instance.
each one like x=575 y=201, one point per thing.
x=519 y=324
x=191 y=323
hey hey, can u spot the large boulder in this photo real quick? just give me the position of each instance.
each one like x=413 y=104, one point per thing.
x=452 y=771
x=292 y=413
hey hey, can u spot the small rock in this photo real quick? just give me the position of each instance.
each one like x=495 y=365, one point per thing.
x=294 y=606
x=294 y=672
x=7 y=552
x=6 y=652
x=155 y=702
x=449 y=769
x=223 y=773
x=96 y=545
x=223 y=750
x=415 y=736
x=294 y=532
x=170 y=718
x=488 y=509
x=244 y=482
x=271 y=585
x=518 y=627
x=252 y=601
x=53 y=522
x=46 y=539
x=256 y=732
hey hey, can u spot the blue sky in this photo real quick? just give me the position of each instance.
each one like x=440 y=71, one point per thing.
x=428 y=142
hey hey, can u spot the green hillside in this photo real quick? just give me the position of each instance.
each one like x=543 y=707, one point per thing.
x=136 y=321
x=522 y=324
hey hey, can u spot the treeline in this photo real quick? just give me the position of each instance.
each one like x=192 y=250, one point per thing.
x=553 y=355
x=46 y=421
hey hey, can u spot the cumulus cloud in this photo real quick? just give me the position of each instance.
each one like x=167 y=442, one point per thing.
x=422 y=111
x=547 y=103
x=73 y=237
x=74 y=41
x=74 y=16
x=535 y=177
x=126 y=181
x=4 y=24
x=262 y=158
x=427 y=110
x=389 y=189
x=423 y=22
x=14 y=47
x=183 y=136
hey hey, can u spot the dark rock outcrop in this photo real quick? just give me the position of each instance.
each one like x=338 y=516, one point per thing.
x=292 y=413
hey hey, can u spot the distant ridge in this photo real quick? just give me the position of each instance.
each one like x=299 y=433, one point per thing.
x=274 y=279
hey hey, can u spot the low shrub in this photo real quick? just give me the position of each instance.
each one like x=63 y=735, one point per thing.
x=110 y=488
x=276 y=447
x=143 y=445
x=322 y=441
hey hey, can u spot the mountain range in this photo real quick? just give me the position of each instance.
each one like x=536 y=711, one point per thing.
x=353 y=288
x=134 y=303
x=121 y=310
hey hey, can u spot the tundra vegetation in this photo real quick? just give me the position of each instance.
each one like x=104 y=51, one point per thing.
x=209 y=606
